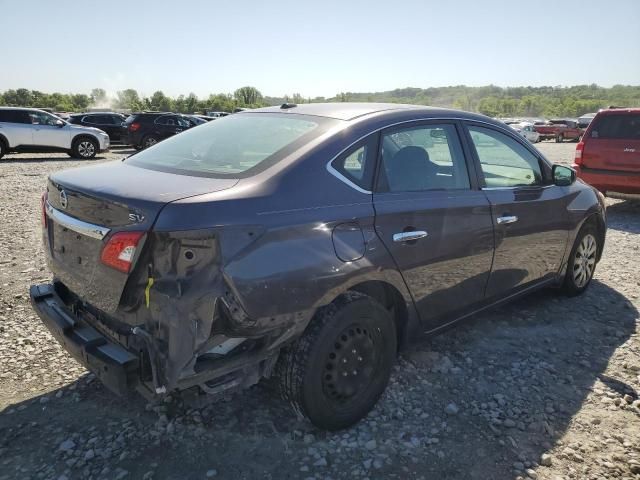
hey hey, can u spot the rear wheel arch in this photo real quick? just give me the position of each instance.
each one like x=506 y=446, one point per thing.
x=391 y=299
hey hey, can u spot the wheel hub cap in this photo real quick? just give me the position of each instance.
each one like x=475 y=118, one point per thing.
x=584 y=261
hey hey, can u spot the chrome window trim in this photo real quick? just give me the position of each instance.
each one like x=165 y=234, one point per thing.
x=78 y=226
x=344 y=179
x=519 y=187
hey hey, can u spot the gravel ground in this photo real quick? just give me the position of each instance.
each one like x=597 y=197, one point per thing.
x=544 y=388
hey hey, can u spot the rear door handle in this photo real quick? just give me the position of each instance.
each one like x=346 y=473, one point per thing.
x=408 y=236
x=506 y=219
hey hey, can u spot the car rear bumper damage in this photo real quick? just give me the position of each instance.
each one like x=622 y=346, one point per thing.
x=115 y=366
x=130 y=359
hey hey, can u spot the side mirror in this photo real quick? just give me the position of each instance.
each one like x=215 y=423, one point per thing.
x=563 y=176
x=59 y=123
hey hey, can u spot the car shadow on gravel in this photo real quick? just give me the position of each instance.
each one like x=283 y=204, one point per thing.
x=624 y=216
x=519 y=374
x=502 y=388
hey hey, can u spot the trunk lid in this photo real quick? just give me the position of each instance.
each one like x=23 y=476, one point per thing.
x=86 y=206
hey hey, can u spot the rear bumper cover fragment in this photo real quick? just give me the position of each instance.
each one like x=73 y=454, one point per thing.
x=115 y=366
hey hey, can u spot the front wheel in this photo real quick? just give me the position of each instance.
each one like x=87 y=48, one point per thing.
x=559 y=138
x=336 y=371
x=582 y=262
x=84 y=148
x=3 y=149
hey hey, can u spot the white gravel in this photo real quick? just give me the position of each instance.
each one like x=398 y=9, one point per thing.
x=544 y=388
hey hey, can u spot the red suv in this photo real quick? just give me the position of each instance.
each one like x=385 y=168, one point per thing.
x=608 y=157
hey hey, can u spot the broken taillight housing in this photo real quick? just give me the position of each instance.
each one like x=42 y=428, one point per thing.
x=120 y=250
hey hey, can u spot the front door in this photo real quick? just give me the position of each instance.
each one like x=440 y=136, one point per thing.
x=433 y=219
x=528 y=211
x=46 y=132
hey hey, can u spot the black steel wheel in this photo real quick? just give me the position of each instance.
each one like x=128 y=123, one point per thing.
x=335 y=373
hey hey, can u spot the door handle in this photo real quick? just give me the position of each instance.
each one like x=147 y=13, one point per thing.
x=408 y=236
x=506 y=219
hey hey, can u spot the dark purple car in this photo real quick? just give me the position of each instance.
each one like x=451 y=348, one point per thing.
x=306 y=243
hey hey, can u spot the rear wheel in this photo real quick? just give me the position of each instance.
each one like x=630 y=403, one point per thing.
x=335 y=373
x=149 y=141
x=84 y=148
x=3 y=149
x=582 y=261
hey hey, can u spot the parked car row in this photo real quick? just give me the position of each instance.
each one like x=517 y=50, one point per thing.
x=83 y=135
x=34 y=130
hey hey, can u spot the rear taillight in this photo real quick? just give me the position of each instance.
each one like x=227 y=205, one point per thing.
x=579 y=150
x=43 y=209
x=120 y=250
x=133 y=127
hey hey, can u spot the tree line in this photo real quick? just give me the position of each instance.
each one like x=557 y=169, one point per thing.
x=490 y=100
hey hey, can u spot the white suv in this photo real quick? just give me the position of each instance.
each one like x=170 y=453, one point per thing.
x=33 y=130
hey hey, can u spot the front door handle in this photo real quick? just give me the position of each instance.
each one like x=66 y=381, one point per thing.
x=506 y=219
x=408 y=236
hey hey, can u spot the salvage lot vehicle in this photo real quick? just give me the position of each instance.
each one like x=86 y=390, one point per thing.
x=526 y=130
x=560 y=130
x=608 y=157
x=306 y=243
x=34 y=130
x=110 y=123
x=143 y=130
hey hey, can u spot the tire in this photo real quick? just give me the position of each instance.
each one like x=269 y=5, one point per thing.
x=149 y=141
x=84 y=148
x=3 y=148
x=582 y=261
x=559 y=138
x=335 y=372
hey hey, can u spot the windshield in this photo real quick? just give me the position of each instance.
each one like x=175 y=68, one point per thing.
x=233 y=146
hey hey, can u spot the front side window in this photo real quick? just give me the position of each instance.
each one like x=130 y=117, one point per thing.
x=423 y=158
x=504 y=161
x=43 y=118
x=235 y=146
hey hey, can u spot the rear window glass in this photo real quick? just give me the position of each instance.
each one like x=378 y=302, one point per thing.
x=617 y=126
x=234 y=146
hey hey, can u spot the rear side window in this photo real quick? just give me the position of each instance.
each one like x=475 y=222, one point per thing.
x=235 y=146
x=617 y=126
x=422 y=158
x=14 y=116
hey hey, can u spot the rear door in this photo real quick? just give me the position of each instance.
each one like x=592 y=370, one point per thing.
x=433 y=218
x=15 y=125
x=529 y=212
x=614 y=143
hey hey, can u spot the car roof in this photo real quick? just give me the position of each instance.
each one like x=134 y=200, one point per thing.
x=339 y=110
x=28 y=109
x=618 y=111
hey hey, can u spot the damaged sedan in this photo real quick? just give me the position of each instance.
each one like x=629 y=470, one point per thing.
x=306 y=244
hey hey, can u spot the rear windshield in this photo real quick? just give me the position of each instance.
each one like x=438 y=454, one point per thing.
x=233 y=146
x=617 y=126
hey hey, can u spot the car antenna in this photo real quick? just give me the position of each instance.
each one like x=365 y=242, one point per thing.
x=286 y=106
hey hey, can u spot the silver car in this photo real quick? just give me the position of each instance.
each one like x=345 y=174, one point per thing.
x=33 y=130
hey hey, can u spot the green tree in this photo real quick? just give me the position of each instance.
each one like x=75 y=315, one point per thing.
x=248 y=96
x=130 y=99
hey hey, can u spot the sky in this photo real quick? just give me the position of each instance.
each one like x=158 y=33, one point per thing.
x=315 y=48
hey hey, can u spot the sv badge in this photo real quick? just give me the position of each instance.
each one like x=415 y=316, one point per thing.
x=136 y=217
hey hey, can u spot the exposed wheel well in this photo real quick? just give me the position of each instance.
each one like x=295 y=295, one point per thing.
x=391 y=299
